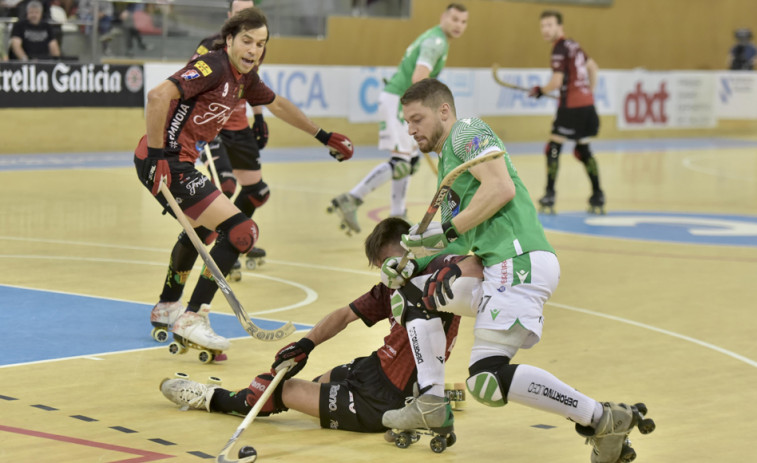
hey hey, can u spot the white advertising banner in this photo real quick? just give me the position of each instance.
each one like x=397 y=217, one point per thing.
x=657 y=100
x=736 y=95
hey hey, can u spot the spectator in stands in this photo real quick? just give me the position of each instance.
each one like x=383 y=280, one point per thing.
x=742 y=54
x=104 y=20
x=132 y=33
x=33 y=38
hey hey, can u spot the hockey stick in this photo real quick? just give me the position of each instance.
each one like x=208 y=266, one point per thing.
x=223 y=457
x=431 y=163
x=444 y=187
x=495 y=68
x=212 y=165
x=254 y=331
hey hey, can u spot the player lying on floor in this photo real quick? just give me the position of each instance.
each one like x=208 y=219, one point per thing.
x=353 y=396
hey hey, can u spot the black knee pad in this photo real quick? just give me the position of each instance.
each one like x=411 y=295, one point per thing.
x=228 y=183
x=205 y=235
x=251 y=197
x=483 y=372
x=552 y=151
x=240 y=231
x=582 y=153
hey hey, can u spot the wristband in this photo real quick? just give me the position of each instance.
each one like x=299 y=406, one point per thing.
x=323 y=136
x=155 y=153
x=450 y=232
x=306 y=344
x=258 y=118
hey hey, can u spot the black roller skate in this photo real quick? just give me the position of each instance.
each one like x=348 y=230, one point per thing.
x=610 y=437
x=547 y=202
x=597 y=203
x=255 y=258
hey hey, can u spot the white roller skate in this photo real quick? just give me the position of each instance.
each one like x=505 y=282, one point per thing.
x=610 y=437
x=345 y=206
x=192 y=330
x=426 y=414
x=162 y=318
x=187 y=393
x=255 y=258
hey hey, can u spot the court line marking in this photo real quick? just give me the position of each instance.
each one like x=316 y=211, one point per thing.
x=688 y=162
x=673 y=334
x=707 y=345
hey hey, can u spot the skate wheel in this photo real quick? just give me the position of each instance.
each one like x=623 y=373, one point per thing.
x=235 y=275
x=627 y=454
x=176 y=348
x=438 y=444
x=641 y=408
x=330 y=209
x=220 y=357
x=214 y=380
x=251 y=264
x=451 y=439
x=181 y=375
x=159 y=334
x=402 y=440
x=205 y=356
x=389 y=436
x=646 y=426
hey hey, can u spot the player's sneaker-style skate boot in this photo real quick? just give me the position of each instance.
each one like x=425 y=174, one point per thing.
x=187 y=393
x=597 y=202
x=547 y=202
x=195 y=328
x=162 y=318
x=345 y=206
x=423 y=412
x=610 y=437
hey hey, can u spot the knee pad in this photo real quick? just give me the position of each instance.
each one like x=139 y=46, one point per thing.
x=552 y=150
x=407 y=304
x=228 y=183
x=489 y=380
x=205 y=235
x=257 y=194
x=241 y=232
x=401 y=167
x=582 y=153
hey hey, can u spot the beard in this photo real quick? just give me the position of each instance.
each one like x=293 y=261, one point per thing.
x=430 y=143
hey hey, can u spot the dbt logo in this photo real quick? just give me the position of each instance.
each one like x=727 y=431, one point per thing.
x=640 y=106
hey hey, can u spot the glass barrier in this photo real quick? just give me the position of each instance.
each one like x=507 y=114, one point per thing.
x=170 y=30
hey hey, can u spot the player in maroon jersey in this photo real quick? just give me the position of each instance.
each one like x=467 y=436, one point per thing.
x=192 y=106
x=575 y=75
x=353 y=396
x=236 y=152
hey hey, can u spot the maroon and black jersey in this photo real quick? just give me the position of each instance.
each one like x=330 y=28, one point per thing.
x=570 y=59
x=210 y=89
x=238 y=119
x=396 y=357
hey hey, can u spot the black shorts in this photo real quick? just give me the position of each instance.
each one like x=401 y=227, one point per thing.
x=576 y=123
x=242 y=148
x=192 y=190
x=357 y=396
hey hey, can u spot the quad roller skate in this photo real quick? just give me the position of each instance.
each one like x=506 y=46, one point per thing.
x=547 y=203
x=162 y=317
x=187 y=393
x=345 y=206
x=192 y=330
x=426 y=414
x=235 y=274
x=610 y=437
x=255 y=258
x=455 y=393
x=597 y=203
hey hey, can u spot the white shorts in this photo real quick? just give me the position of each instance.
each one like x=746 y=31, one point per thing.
x=514 y=293
x=393 y=134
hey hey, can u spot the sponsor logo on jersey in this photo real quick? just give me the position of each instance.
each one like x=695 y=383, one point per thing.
x=203 y=68
x=216 y=111
x=495 y=313
x=190 y=74
x=201 y=50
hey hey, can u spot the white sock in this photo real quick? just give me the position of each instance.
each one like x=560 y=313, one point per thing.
x=428 y=344
x=536 y=388
x=399 y=191
x=375 y=178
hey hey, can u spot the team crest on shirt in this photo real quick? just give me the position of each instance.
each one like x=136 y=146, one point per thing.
x=241 y=92
x=190 y=74
x=477 y=144
x=203 y=68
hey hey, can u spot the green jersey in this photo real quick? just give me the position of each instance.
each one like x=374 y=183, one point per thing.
x=513 y=230
x=430 y=48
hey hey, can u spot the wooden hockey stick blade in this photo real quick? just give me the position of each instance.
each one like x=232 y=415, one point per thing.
x=223 y=457
x=212 y=166
x=431 y=163
x=495 y=69
x=244 y=319
x=444 y=187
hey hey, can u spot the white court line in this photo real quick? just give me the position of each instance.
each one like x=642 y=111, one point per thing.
x=704 y=344
x=673 y=334
x=688 y=163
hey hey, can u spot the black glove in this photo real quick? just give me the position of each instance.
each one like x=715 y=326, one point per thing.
x=260 y=130
x=536 y=92
x=297 y=351
x=439 y=286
